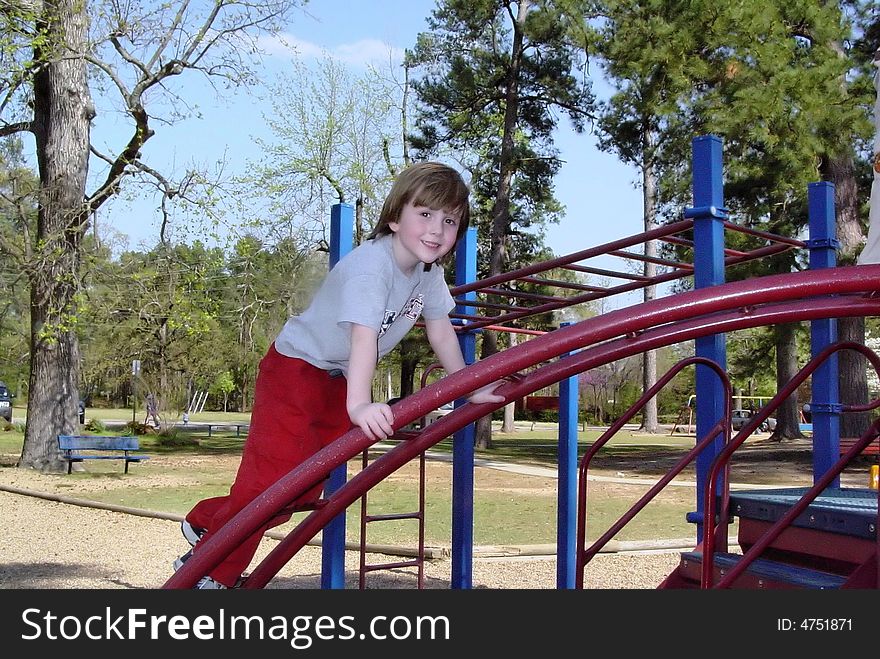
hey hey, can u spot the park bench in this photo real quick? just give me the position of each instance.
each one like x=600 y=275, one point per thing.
x=76 y=448
x=846 y=443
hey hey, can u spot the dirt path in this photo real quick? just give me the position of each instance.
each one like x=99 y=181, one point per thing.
x=45 y=544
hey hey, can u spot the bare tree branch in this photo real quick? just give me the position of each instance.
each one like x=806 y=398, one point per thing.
x=11 y=129
x=166 y=38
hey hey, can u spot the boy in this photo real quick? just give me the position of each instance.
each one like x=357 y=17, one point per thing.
x=316 y=379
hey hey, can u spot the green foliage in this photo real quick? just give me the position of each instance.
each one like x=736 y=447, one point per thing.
x=337 y=137
x=654 y=53
x=223 y=384
x=196 y=318
x=173 y=437
x=493 y=76
x=17 y=218
x=96 y=426
x=137 y=428
x=768 y=77
x=780 y=82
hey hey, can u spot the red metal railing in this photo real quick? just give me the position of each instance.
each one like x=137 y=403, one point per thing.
x=585 y=555
x=721 y=466
x=670 y=233
x=715 y=525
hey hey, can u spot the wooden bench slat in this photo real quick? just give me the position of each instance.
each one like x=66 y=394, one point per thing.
x=846 y=443
x=130 y=458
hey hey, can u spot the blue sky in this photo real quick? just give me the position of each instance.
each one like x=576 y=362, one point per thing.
x=597 y=190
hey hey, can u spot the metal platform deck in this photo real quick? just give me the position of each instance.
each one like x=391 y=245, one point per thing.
x=848 y=511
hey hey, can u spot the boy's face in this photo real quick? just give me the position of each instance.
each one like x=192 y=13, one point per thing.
x=423 y=235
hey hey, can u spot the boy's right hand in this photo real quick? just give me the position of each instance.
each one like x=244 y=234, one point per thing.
x=374 y=419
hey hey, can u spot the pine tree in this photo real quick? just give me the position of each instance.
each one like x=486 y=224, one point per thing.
x=493 y=73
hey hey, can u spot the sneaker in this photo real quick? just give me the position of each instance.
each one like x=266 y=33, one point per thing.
x=192 y=533
x=178 y=562
x=207 y=583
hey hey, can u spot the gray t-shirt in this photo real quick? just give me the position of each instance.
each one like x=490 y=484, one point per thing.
x=366 y=287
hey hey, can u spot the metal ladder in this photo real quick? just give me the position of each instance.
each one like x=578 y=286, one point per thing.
x=419 y=560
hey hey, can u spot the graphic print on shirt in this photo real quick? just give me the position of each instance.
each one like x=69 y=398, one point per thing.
x=387 y=321
x=411 y=310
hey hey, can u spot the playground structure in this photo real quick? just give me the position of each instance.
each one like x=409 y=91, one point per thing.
x=784 y=545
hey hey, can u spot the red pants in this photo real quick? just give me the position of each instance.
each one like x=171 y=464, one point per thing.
x=298 y=409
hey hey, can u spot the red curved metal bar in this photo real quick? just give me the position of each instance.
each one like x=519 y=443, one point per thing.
x=680 y=309
x=723 y=425
x=553 y=372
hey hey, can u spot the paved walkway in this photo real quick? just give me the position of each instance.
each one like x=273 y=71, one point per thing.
x=549 y=472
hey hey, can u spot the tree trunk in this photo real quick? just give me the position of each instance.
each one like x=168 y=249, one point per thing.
x=508 y=424
x=839 y=168
x=483 y=427
x=62 y=110
x=649 y=358
x=411 y=354
x=787 y=416
x=162 y=396
x=853 y=383
x=501 y=206
x=407 y=374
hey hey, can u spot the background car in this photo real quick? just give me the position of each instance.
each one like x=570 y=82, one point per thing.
x=5 y=403
x=441 y=411
x=738 y=419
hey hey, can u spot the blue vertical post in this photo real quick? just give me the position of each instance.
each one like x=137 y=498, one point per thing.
x=566 y=498
x=709 y=215
x=463 y=440
x=333 y=538
x=825 y=406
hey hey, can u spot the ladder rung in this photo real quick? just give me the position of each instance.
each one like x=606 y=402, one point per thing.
x=392 y=516
x=418 y=561
x=388 y=566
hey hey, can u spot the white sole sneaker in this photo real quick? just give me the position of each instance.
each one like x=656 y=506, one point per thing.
x=178 y=562
x=192 y=533
x=207 y=583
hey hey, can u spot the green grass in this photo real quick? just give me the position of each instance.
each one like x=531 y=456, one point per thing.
x=502 y=515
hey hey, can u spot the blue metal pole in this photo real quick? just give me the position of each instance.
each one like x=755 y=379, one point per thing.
x=333 y=538
x=709 y=214
x=825 y=406
x=463 y=440
x=566 y=506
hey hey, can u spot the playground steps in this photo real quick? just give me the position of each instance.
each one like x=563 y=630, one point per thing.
x=832 y=544
x=761 y=573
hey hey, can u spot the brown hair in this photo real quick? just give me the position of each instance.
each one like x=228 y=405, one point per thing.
x=430 y=184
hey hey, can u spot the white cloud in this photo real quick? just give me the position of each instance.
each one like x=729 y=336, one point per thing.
x=368 y=51
x=359 y=53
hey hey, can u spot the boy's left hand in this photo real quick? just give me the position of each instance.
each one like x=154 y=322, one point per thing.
x=485 y=395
